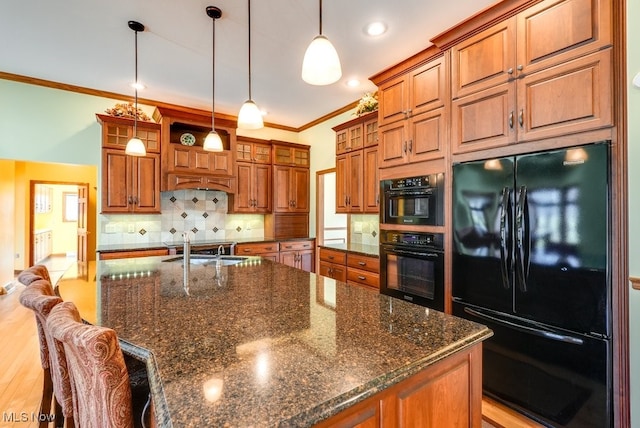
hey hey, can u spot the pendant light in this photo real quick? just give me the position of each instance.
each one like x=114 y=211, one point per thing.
x=213 y=143
x=135 y=146
x=249 y=116
x=321 y=65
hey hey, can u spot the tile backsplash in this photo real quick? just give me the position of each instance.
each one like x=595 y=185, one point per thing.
x=202 y=212
x=365 y=229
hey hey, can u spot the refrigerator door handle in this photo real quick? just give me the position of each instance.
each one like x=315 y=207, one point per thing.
x=526 y=329
x=504 y=258
x=522 y=262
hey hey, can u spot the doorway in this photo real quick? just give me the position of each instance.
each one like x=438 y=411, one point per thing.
x=58 y=222
x=331 y=228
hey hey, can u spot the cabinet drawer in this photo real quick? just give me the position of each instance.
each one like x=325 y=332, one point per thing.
x=257 y=248
x=358 y=261
x=363 y=277
x=135 y=253
x=332 y=270
x=296 y=245
x=333 y=256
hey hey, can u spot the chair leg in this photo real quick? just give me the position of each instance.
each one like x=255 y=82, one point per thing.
x=47 y=396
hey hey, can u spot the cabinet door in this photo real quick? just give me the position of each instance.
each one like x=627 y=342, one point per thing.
x=392 y=149
x=370 y=129
x=282 y=188
x=428 y=135
x=428 y=87
x=356 y=138
x=261 y=153
x=484 y=120
x=115 y=181
x=341 y=141
x=393 y=98
x=242 y=200
x=355 y=198
x=543 y=43
x=342 y=183
x=289 y=258
x=572 y=97
x=300 y=189
x=305 y=260
x=484 y=60
x=262 y=188
x=371 y=181
x=145 y=184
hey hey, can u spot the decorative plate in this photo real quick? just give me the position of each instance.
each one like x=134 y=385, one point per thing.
x=187 y=139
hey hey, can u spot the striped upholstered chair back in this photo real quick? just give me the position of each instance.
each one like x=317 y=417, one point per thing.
x=99 y=378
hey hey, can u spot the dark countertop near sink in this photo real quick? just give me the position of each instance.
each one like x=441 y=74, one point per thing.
x=162 y=245
x=281 y=346
x=367 y=250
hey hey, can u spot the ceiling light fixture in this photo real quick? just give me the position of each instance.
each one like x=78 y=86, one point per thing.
x=249 y=116
x=374 y=29
x=213 y=143
x=321 y=65
x=135 y=146
x=353 y=83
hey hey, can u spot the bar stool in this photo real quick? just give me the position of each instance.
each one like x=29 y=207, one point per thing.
x=34 y=273
x=39 y=297
x=99 y=378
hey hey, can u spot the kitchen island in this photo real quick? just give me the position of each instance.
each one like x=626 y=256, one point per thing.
x=259 y=343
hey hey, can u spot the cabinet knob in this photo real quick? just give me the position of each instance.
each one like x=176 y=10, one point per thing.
x=519 y=67
x=510 y=70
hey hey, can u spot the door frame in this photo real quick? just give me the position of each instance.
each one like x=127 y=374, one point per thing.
x=32 y=201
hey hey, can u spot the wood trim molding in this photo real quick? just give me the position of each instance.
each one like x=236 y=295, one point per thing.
x=635 y=282
x=328 y=116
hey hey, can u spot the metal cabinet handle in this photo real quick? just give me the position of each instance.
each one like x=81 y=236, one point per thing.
x=130 y=200
x=246 y=250
x=362 y=263
x=405 y=148
x=511 y=120
x=521 y=118
x=330 y=257
x=410 y=146
x=377 y=199
x=361 y=278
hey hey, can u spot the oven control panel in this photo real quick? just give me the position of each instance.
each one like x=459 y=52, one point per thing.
x=413 y=239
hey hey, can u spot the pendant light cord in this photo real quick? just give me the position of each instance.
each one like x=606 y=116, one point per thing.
x=320 y=18
x=213 y=75
x=249 y=24
x=135 y=87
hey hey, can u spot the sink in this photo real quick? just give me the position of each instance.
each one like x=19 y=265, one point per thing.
x=201 y=259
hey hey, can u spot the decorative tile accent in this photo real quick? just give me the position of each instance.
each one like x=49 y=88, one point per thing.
x=205 y=215
x=373 y=233
x=194 y=230
x=215 y=230
x=215 y=200
x=195 y=200
x=173 y=199
x=142 y=232
x=238 y=229
x=184 y=215
x=172 y=231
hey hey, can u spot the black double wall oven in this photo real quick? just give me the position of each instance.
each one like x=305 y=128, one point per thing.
x=412 y=262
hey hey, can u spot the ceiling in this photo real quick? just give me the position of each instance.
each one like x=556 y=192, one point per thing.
x=88 y=44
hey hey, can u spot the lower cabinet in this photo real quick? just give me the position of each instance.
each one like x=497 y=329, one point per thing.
x=132 y=253
x=350 y=267
x=299 y=254
x=445 y=394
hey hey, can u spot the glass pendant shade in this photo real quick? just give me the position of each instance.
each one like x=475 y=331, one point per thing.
x=250 y=116
x=213 y=142
x=321 y=65
x=135 y=147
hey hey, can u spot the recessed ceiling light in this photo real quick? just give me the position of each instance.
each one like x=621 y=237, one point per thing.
x=138 y=85
x=353 y=83
x=374 y=29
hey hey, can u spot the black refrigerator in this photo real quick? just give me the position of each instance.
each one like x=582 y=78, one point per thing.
x=531 y=259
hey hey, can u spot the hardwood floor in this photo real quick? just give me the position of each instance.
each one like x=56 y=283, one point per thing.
x=21 y=372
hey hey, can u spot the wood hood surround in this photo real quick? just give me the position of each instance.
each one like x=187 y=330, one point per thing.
x=191 y=167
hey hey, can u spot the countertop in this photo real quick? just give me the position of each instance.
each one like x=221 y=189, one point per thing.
x=178 y=243
x=367 y=250
x=260 y=343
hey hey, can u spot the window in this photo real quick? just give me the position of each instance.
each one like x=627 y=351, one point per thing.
x=69 y=206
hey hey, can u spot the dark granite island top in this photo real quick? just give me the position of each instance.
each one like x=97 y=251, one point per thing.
x=260 y=343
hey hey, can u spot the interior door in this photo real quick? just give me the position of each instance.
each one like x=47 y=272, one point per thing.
x=83 y=203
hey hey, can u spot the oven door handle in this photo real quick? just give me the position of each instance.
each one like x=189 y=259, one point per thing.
x=413 y=253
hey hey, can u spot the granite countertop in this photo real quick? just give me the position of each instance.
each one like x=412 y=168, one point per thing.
x=364 y=249
x=260 y=343
x=178 y=243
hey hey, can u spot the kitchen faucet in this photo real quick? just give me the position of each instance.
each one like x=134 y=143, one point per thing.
x=220 y=251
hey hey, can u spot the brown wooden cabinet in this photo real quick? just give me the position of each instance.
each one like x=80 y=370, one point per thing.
x=332 y=264
x=266 y=250
x=291 y=189
x=528 y=78
x=363 y=270
x=290 y=154
x=111 y=255
x=253 y=175
x=357 y=165
x=412 y=116
x=130 y=184
x=298 y=254
x=190 y=166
